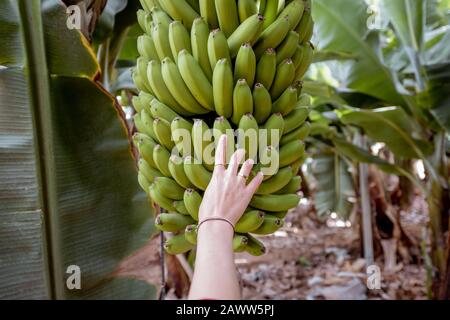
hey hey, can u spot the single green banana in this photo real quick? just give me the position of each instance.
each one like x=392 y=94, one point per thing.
x=298 y=134
x=292 y=187
x=141 y=17
x=145 y=145
x=159 y=16
x=275 y=202
x=240 y=241
x=223 y=86
x=249 y=221
x=217 y=47
x=141 y=70
x=228 y=16
x=270 y=225
x=294 y=11
x=246 y=8
x=296 y=165
x=147 y=123
x=280 y=214
x=172 y=222
x=222 y=126
x=197 y=173
x=180 y=10
x=254 y=246
x=196 y=80
x=242 y=101
x=272 y=36
x=142 y=102
x=160 y=110
x=261 y=6
x=139 y=82
x=298 y=56
x=161 y=158
x=296 y=118
x=274 y=127
x=302 y=27
x=245 y=64
x=191 y=257
x=310 y=31
x=178 y=88
x=277 y=182
x=266 y=68
x=199 y=41
x=208 y=12
x=178 y=39
x=247 y=32
x=194 y=5
x=177 y=244
x=288 y=47
x=176 y=169
x=306 y=61
x=190 y=232
x=262 y=103
x=284 y=77
x=168 y=188
x=291 y=152
x=181 y=134
x=160 y=36
x=192 y=201
x=270 y=12
x=146 y=48
x=180 y=207
x=202 y=138
x=287 y=101
x=147 y=170
x=247 y=136
x=160 y=200
x=161 y=128
x=143 y=182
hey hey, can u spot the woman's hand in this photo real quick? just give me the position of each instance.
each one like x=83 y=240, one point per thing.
x=228 y=193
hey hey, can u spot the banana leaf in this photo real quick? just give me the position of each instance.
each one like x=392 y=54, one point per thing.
x=69 y=194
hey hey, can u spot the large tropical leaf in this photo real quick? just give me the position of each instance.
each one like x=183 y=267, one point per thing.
x=69 y=195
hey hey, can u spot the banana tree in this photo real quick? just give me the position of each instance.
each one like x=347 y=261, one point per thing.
x=69 y=196
x=403 y=65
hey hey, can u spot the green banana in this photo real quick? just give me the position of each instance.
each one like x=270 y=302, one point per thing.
x=298 y=56
x=208 y=12
x=176 y=169
x=147 y=123
x=292 y=187
x=310 y=31
x=267 y=68
x=201 y=140
x=168 y=188
x=296 y=165
x=160 y=36
x=160 y=89
x=273 y=125
x=275 y=202
x=288 y=47
x=177 y=244
x=159 y=16
x=291 y=152
x=146 y=48
x=147 y=170
x=245 y=64
x=178 y=88
x=142 y=102
x=178 y=39
x=248 y=136
x=141 y=70
x=223 y=86
x=261 y=6
x=180 y=207
x=276 y=182
x=139 y=82
x=143 y=182
x=262 y=103
x=180 y=10
x=197 y=173
x=246 y=8
x=145 y=146
x=194 y=5
x=270 y=225
x=247 y=32
x=196 y=80
x=254 y=246
x=141 y=17
x=298 y=134
x=172 y=222
x=302 y=27
x=190 y=232
x=284 y=77
x=161 y=158
x=270 y=12
x=296 y=118
x=191 y=257
x=294 y=11
x=192 y=201
x=217 y=47
x=242 y=101
x=161 y=128
x=160 y=110
x=160 y=200
x=240 y=241
x=306 y=61
x=280 y=215
x=287 y=101
x=268 y=159
x=228 y=16
x=181 y=135
x=249 y=221
x=272 y=36
x=222 y=126
x=199 y=41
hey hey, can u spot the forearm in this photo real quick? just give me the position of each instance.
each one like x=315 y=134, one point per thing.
x=215 y=274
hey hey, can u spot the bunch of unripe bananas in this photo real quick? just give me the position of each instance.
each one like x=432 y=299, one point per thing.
x=212 y=67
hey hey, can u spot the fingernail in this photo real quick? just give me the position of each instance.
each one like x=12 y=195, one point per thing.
x=250 y=161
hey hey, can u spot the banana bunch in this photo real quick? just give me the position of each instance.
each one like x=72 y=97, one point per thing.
x=212 y=67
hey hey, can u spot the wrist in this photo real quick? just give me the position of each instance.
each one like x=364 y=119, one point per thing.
x=218 y=228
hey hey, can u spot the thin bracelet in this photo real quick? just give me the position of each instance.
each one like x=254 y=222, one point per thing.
x=215 y=218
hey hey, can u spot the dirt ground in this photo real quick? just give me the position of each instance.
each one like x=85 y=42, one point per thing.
x=310 y=260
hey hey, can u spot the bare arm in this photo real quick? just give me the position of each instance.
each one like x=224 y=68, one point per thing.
x=227 y=196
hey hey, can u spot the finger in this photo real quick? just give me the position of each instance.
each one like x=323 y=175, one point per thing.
x=246 y=169
x=220 y=150
x=235 y=160
x=255 y=183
